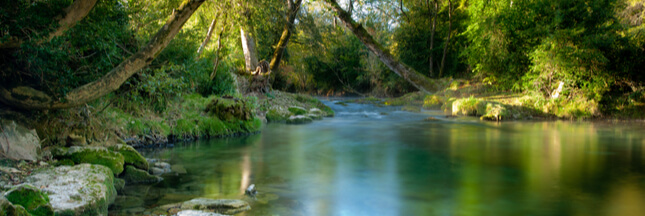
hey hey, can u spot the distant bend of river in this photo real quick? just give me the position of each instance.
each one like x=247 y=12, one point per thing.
x=372 y=160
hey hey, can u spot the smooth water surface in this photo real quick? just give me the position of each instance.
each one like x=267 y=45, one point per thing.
x=379 y=161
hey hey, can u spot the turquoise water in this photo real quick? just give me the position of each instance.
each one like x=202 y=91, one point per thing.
x=378 y=161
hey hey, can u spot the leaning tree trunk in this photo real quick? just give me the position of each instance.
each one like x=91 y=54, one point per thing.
x=209 y=34
x=29 y=98
x=415 y=78
x=73 y=14
x=219 y=47
x=286 y=34
x=445 y=46
x=248 y=46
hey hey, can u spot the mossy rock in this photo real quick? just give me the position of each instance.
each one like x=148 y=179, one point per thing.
x=119 y=184
x=130 y=156
x=9 y=209
x=316 y=111
x=33 y=200
x=92 y=155
x=132 y=175
x=341 y=103
x=495 y=112
x=299 y=119
x=229 y=109
x=276 y=114
x=468 y=107
x=84 y=189
x=295 y=110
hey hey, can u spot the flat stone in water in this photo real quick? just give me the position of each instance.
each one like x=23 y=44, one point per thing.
x=197 y=213
x=221 y=206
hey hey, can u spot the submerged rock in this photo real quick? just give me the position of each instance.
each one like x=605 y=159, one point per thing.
x=132 y=175
x=222 y=206
x=33 y=200
x=83 y=189
x=299 y=119
x=314 y=117
x=92 y=155
x=130 y=156
x=19 y=142
x=160 y=168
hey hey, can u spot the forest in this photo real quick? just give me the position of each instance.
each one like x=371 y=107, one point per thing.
x=156 y=72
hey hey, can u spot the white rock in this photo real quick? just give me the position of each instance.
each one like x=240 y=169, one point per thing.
x=18 y=142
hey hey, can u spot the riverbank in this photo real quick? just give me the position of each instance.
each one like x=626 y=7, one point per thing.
x=468 y=98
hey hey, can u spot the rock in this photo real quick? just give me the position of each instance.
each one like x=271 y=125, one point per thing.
x=84 y=189
x=18 y=142
x=33 y=200
x=76 y=140
x=222 y=206
x=130 y=156
x=197 y=213
x=431 y=119
x=163 y=165
x=316 y=111
x=126 y=202
x=299 y=119
x=132 y=175
x=92 y=155
x=296 y=110
x=277 y=114
x=9 y=170
x=119 y=184
x=251 y=191
x=314 y=117
x=9 y=209
x=156 y=171
x=411 y=108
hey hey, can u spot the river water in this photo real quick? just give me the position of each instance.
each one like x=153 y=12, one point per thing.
x=372 y=160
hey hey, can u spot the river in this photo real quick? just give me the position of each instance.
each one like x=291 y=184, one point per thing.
x=372 y=160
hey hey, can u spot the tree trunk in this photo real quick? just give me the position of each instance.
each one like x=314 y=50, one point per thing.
x=73 y=14
x=286 y=34
x=208 y=37
x=445 y=46
x=415 y=78
x=434 y=24
x=248 y=46
x=219 y=47
x=29 y=98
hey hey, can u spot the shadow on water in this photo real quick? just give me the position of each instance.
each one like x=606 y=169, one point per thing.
x=380 y=161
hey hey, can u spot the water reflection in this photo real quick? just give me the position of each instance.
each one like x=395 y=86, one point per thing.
x=397 y=164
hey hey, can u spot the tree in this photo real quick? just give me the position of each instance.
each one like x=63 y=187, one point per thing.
x=445 y=45
x=413 y=77
x=28 y=98
x=292 y=11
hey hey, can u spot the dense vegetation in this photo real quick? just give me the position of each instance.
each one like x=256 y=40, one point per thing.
x=595 y=48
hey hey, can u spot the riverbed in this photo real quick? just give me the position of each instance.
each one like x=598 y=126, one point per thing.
x=371 y=160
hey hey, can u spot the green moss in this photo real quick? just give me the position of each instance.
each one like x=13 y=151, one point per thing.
x=131 y=156
x=275 y=115
x=92 y=155
x=184 y=127
x=411 y=108
x=65 y=162
x=465 y=106
x=8 y=209
x=341 y=103
x=297 y=110
x=119 y=184
x=32 y=199
x=132 y=175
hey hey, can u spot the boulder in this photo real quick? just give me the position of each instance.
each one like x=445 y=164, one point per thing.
x=9 y=209
x=316 y=111
x=18 y=142
x=132 y=175
x=220 y=206
x=84 y=189
x=92 y=155
x=299 y=119
x=33 y=200
x=119 y=184
x=277 y=114
x=314 y=117
x=130 y=156
x=296 y=110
